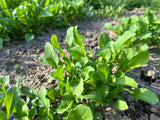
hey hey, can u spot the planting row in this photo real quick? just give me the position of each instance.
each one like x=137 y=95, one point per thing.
x=86 y=79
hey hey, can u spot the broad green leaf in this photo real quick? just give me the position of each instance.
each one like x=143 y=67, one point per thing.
x=29 y=36
x=98 y=94
x=78 y=52
x=104 y=39
x=146 y=35
x=106 y=54
x=3 y=115
x=1 y=43
x=140 y=59
x=94 y=78
x=52 y=94
x=108 y=26
x=44 y=112
x=44 y=102
x=4 y=80
x=145 y=95
x=123 y=39
x=80 y=112
x=103 y=71
x=22 y=109
x=11 y=99
x=77 y=87
x=42 y=60
x=86 y=71
x=73 y=37
x=25 y=118
x=55 y=45
x=133 y=19
x=32 y=113
x=124 y=80
x=51 y=56
x=120 y=105
x=58 y=74
x=27 y=91
x=19 y=81
x=66 y=102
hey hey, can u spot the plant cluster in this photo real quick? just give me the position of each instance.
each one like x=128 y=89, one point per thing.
x=86 y=79
x=22 y=19
x=146 y=27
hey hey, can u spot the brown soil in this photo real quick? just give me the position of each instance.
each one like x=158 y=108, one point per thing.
x=26 y=54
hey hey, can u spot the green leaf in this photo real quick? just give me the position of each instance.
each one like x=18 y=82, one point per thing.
x=146 y=35
x=42 y=60
x=51 y=56
x=120 y=105
x=29 y=36
x=4 y=80
x=94 y=78
x=98 y=94
x=104 y=39
x=78 y=52
x=77 y=86
x=103 y=71
x=58 y=74
x=27 y=91
x=21 y=109
x=106 y=54
x=44 y=102
x=123 y=39
x=145 y=95
x=19 y=81
x=66 y=102
x=73 y=37
x=140 y=59
x=52 y=94
x=81 y=112
x=11 y=99
x=3 y=115
x=1 y=43
x=86 y=71
x=108 y=26
x=55 y=45
x=124 y=80
x=32 y=113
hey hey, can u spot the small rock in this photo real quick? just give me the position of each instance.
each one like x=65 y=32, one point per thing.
x=154 y=109
x=154 y=117
x=151 y=74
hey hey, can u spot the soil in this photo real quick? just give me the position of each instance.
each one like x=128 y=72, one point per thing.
x=20 y=58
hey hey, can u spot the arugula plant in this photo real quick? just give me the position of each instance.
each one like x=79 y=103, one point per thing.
x=146 y=28
x=98 y=78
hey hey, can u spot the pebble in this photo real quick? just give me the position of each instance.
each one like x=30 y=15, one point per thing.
x=154 y=117
x=154 y=109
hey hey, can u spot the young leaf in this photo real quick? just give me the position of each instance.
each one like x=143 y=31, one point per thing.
x=21 y=109
x=55 y=45
x=66 y=102
x=124 y=80
x=120 y=105
x=104 y=39
x=52 y=94
x=103 y=71
x=98 y=94
x=4 y=80
x=42 y=60
x=86 y=71
x=32 y=113
x=29 y=36
x=58 y=74
x=124 y=38
x=138 y=60
x=19 y=81
x=77 y=87
x=94 y=78
x=80 y=112
x=44 y=102
x=51 y=56
x=11 y=99
x=146 y=35
x=78 y=52
x=145 y=95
